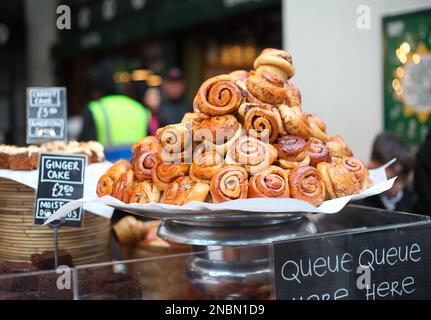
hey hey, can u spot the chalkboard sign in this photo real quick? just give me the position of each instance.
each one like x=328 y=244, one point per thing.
x=386 y=264
x=61 y=179
x=46 y=115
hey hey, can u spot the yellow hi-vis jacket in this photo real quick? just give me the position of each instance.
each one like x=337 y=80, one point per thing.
x=119 y=120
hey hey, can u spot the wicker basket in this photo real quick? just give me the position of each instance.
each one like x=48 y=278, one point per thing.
x=20 y=238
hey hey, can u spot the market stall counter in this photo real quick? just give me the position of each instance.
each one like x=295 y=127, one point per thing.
x=359 y=253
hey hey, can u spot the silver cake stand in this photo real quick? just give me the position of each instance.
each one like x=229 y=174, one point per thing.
x=237 y=260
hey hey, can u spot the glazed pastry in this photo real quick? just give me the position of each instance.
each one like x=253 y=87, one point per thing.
x=123 y=188
x=74 y=147
x=295 y=121
x=205 y=164
x=270 y=183
x=19 y=159
x=317 y=151
x=34 y=154
x=241 y=76
x=192 y=118
x=268 y=82
x=262 y=121
x=355 y=166
x=318 y=127
x=4 y=156
x=184 y=190
x=175 y=143
x=143 y=161
x=277 y=60
x=54 y=146
x=306 y=183
x=165 y=173
x=97 y=151
x=145 y=192
x=251 y=153
x=339 y=181
x=219 y=96
x=146 y=144
x=106 y=184
x=129 y=231
x=24 y=159
x=338 y=148
x=267 y=86
x=292 y=152
x=293 y=95
x=218 y=132
x=359 y=170
x=229 y=183
x=93 y=150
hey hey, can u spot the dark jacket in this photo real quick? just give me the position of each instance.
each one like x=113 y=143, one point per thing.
x=404 y=205
x=172 y=112
x=88 y=132
x=422 y=182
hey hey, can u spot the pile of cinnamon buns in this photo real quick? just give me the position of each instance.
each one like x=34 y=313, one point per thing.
x=248 y=137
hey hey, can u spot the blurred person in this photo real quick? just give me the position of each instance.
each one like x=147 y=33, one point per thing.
x=74 y=127
x=422 y=180
x=150 y=97
x=173 y=105
x=399 y=198
x=152 y=100
x=113 y=119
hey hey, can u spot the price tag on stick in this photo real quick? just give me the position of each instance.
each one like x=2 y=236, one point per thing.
x=55 y=226
x=61 y=179
x=46 y=115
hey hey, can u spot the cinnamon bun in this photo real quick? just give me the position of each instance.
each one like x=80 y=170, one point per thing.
x=106 y=184
x=292 y=152
x=306 y=183
x=218 y=96
x=145 y=192
x=251 y=153
x=338 y=148
x=317 y=151
x=184 y=190
x=295 y=121
x=339 y=181
x=229 y=183
x=262 y=121
x=175 y=143
x=165 y=173
x=270 y=183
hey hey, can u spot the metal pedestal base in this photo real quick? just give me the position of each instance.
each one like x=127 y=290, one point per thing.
x=237 y=259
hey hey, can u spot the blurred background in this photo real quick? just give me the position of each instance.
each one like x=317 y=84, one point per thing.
x=363 y=66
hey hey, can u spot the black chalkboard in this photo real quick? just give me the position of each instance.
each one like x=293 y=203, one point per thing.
x=46 y=115
x=61 y=179
x=373 y=265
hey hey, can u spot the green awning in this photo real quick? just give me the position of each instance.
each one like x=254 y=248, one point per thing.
x=111 y=23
